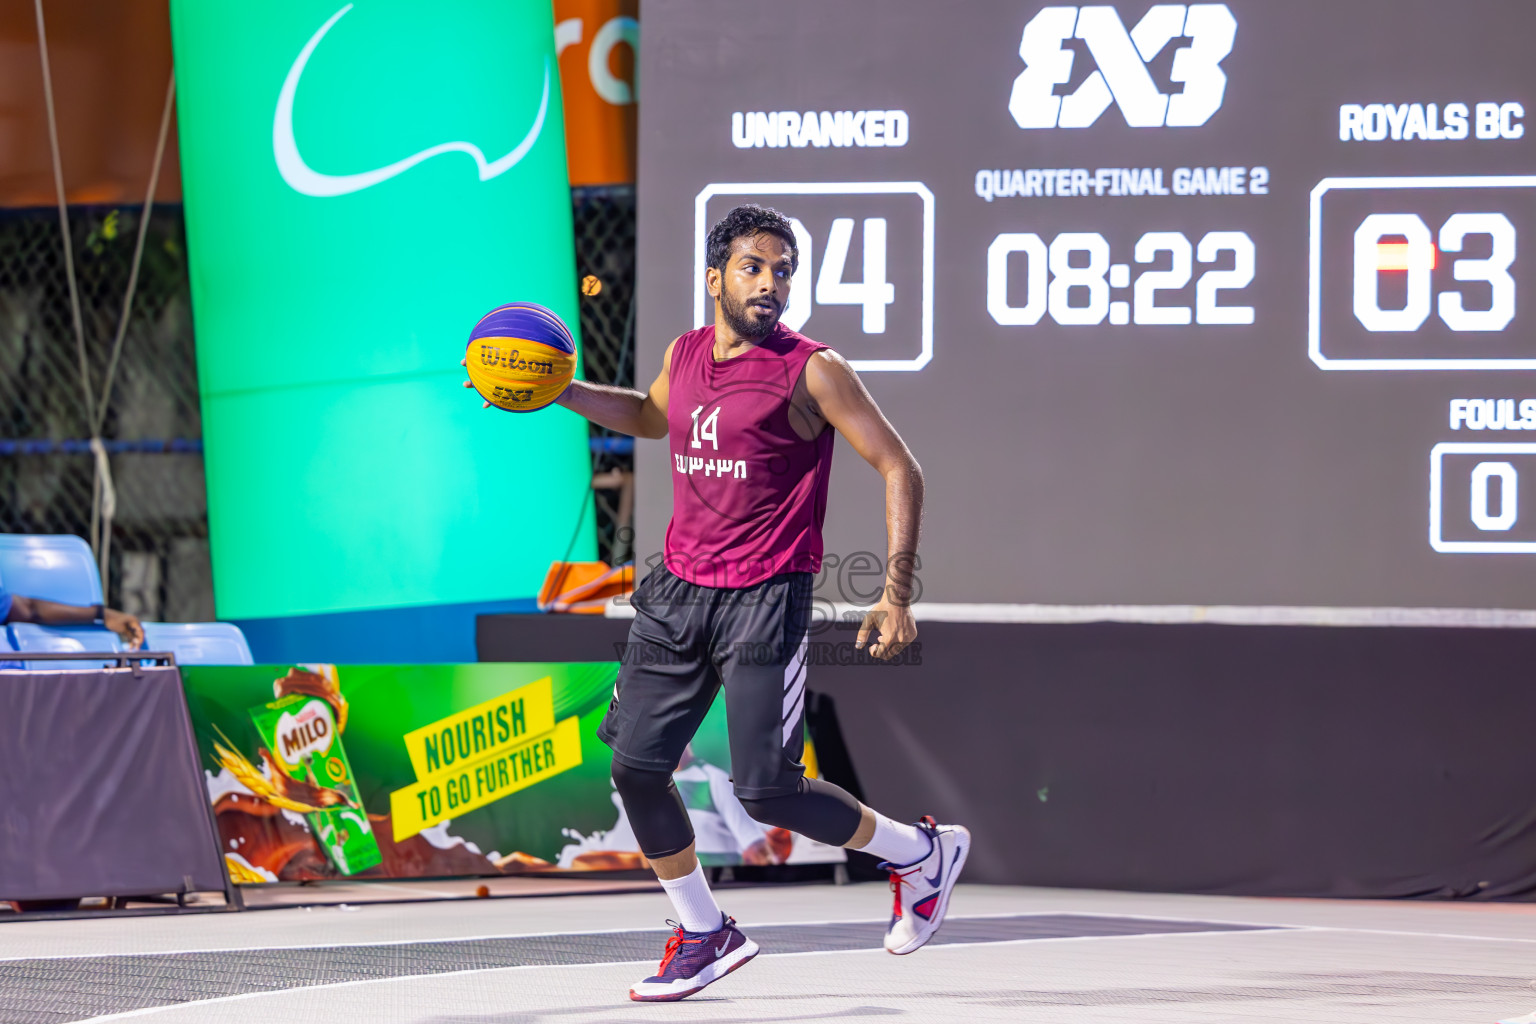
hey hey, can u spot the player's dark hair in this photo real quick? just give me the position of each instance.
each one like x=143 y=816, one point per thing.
x=749 y=221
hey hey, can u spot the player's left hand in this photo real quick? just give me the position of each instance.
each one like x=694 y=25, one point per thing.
x=892 y=623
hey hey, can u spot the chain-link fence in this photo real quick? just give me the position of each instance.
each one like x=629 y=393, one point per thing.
x=159 y=566
x=152 y=429
x=605 y=263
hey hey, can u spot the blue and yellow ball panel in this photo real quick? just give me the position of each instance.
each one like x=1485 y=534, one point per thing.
x=521 y=357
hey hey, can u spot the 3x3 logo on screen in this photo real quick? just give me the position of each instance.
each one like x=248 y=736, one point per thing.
x=864 y=284
x=1124 y=58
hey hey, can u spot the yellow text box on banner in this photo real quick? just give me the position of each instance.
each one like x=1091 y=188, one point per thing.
x=503 y=722
x=474 y=784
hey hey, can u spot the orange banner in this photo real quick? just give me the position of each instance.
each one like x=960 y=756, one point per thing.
x=599 y=42
x=110 y=62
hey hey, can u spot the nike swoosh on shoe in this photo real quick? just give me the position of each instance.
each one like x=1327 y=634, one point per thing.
x=938 y=877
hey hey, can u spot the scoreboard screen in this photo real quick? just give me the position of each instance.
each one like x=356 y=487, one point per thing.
x=1211 y=303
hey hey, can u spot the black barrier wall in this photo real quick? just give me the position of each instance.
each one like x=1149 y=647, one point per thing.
x=100 y=791
x=1287 y=761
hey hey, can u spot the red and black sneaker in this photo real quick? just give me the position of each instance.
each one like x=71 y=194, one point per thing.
x=922 y=888
x=694 y=960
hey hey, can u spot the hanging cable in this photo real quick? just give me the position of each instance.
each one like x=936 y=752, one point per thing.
x=74 y=289
x=138 y=255
x=104 y=494
x=103 y=504
x=58 y=186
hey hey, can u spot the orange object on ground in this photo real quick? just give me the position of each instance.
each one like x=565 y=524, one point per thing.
x=584 y=587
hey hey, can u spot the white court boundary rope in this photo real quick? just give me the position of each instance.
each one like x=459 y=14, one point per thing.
x=1179 y=614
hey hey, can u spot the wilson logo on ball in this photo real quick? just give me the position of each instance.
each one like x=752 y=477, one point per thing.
x=513 y=360
x=521 y=357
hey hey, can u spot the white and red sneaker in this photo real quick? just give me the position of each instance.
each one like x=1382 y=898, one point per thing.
x=694 y=960
x=922 y=888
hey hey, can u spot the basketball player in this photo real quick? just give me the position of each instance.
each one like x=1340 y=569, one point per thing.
x=750 y=408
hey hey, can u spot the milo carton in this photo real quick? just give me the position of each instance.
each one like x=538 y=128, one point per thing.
x=300 y=731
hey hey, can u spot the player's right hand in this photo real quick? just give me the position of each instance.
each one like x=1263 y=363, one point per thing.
x=469 y=384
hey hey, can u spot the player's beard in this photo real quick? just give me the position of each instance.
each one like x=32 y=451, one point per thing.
x=743 y=319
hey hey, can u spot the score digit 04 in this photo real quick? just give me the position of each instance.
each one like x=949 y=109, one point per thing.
x=1073 y=280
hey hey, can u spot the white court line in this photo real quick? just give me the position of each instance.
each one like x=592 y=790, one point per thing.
x=814 y=923
x=389 y=942
x=442 y=894
x=448 y=893
x=1417 y=935
x=1250 y=925
x=1260 y=929
x=146 y=1011
x=380 y=942
x=615 y=931
x=1203 y=919
x=745 y=925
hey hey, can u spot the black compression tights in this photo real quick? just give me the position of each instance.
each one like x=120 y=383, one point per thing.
x=817 y=810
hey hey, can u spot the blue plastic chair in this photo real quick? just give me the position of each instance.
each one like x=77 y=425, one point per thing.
x=54 y=567
x=199 y=643
x=28 y=637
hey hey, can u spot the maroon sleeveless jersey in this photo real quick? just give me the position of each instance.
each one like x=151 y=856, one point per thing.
x=749 y=495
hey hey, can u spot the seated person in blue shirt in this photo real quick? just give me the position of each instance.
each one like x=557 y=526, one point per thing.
x=15 y=608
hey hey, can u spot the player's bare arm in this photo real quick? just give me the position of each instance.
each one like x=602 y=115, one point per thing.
x=831 y=392
x=624 y=409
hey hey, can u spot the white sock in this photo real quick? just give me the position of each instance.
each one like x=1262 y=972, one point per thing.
x=697 y=910
x=896 y=842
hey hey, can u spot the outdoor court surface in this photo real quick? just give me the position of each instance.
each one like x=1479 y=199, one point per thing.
x=1006 y=954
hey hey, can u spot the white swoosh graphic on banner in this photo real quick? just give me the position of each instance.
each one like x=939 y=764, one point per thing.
x=302 y=178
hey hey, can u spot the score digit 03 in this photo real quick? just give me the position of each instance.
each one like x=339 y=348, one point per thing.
x=1419 y=273
x=1079 y=279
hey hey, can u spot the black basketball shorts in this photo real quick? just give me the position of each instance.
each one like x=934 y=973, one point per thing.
x=688 y=640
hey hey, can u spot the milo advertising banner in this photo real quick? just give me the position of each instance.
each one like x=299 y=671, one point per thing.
x=373 y=771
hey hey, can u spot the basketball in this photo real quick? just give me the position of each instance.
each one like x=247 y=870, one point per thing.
x=521 y=357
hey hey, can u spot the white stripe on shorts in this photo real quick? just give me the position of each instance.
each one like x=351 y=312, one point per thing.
x=794 y=689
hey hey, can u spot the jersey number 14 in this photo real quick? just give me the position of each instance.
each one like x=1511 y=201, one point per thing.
x=706 y=431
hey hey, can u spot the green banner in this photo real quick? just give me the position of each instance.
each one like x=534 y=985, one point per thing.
x=376 y=771
x=362 y=183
